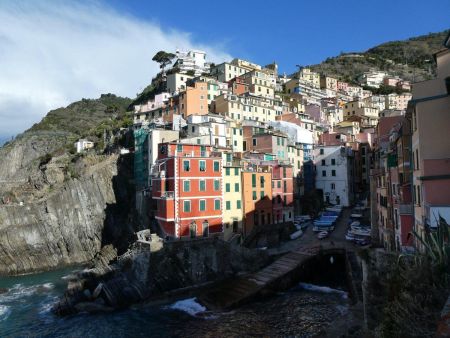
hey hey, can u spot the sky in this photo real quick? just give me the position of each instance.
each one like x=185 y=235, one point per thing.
x=55 y=52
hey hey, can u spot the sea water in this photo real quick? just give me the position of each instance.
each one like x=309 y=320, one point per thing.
x=26 y=301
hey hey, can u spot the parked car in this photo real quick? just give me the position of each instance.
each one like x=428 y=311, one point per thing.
x=322 y=235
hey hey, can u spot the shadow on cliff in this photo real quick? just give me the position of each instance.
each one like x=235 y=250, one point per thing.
x=119 y=224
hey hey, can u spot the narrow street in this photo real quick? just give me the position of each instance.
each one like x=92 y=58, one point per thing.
x=309 y=237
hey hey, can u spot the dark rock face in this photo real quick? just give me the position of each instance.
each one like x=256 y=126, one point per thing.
x=69 y=225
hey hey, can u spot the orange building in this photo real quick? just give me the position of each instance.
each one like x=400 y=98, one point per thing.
x=256 y=196
x=187 y=187
x=194 y=100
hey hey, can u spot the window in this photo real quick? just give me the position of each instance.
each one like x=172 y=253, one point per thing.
x=262 y=194
x=321 y=151
x=418 y=195
x=228 y=205
x=333 y=186
x=202 y=205
x=229 y=157
x=227 y=171
x=186 y=186
x=278 y=184
x=202 y=165
x=216 y=204
x=333 y=172
x=323 y=162
x=227 y=187
x=186 y=166
x=187 y=206
x=324 y=173
x=216 y=185
x=284 y=172
x=254 y=142
x=236 y=187
x=202 y=185
x=236 y=171
x=417 y=159
x=179 y=148
x=261 y=181
x=216 y=166
x=333 y=161
x=254 y=195
x=253 y=180
x=238 y=204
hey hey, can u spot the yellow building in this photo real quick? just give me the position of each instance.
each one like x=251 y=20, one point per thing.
x=232 y=196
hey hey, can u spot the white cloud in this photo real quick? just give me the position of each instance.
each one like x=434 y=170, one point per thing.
x=54 y=53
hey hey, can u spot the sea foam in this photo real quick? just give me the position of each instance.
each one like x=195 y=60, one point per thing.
x=5 y=311
x=322 y=289
x=190 y=306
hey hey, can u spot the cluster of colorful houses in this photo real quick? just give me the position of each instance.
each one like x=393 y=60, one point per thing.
x=225 y=148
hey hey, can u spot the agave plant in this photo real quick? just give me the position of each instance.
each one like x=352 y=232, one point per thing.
x=436 y=244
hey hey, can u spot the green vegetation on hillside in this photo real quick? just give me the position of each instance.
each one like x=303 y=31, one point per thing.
x=410 y=59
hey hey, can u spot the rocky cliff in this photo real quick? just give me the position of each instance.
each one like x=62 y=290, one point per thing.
x=69 y=225
x=58 y=207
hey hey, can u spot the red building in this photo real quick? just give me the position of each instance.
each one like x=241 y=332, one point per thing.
x=187 y=187
x=238 y=86
x=282 y=193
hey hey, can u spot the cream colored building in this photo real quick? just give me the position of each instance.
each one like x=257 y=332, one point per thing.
x=359 y=108
x=260 y=83
x=398 y=102
x=177 y=82
x=235 y=138
x=308 y=76
x=227 y=71
x=327 y=82
x=295 y=157
x=246 y=107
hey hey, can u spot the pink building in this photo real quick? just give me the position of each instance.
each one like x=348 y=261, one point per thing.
x=390 y=81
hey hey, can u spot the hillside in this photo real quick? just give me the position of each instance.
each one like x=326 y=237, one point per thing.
x=406 y=58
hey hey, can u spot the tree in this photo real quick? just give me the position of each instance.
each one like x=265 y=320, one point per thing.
x=163 y=58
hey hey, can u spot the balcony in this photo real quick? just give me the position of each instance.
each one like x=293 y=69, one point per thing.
x=168 y=195
x=405 y=209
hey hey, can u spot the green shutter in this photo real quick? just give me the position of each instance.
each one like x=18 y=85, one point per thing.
x=227 y=187
x=262 y=194
x=187 y=206
x=236 y=171
x=216 y=204
x=216 y=166
x=228 y=205
x=202 y=185
x=216 y=185
x=254 y=180
x=238 y=204
x=236 y=187
x=227 y=171
x=202 y=205
x=254 y=195
x=187 y=186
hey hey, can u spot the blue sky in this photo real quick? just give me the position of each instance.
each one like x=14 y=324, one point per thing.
x=295 y=32
x=56 y=52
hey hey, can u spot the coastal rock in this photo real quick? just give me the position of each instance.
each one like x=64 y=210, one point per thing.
x=70 y=225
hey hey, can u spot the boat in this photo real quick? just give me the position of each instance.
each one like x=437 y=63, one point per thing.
x=360 y=232
x=356 y=215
